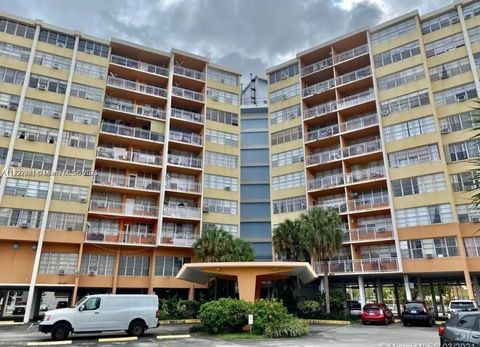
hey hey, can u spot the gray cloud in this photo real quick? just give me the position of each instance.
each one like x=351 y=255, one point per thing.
x=247 y=35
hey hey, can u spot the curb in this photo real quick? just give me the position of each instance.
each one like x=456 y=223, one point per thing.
x=9 y=322
x=179 y=321
x=328 y=321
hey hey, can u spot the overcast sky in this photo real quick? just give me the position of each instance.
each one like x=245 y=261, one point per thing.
x=247 y=35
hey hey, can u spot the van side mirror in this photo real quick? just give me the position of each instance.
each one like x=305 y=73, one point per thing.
x=81 y=308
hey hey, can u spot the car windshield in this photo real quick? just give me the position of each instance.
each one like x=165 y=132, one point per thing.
x=462 y=305
x=81 y=302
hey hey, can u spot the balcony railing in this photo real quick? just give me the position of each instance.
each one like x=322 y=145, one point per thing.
x=188 y=94
x=123 y=154
x=126 y=182
x=182 y=212
x=185 y=137
x=324 y=157
x=124 y=130
x=136 y=86
x=352 y=53
x=375 y=203
x=339 y=207
x=317 y=66
x=182 y=160
x=187 y=115
x=141 y=110
x=320 y=110
x=356 y=99
x=184 y=186
x=359 y=266
x=353 y=76
x=198 y=75
x=323 y=133
x=326 y=182
x=359 y=123
x=362 y=148
x=319 y=87
x=139 y=65
x=121 y=237
x=122 y=208
x=178 y=239
x=380 y=232
x=365 y=175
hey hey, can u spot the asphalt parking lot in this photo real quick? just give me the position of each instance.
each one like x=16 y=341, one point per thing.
x=320 y=335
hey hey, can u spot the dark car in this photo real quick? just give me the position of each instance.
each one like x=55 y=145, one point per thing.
x=354 y=305
x=376 y=313
x=19 y=310
x=417 y=312
x=62 y=304
x=462 y=328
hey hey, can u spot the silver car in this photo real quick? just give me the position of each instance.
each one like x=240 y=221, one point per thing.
x=461 y=306
x=462 y=327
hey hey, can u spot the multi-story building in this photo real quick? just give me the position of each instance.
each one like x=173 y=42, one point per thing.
x=161 y=131
x=378 y=125
x=255 y=220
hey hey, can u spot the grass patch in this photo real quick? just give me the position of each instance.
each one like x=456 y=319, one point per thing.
x=234 y=336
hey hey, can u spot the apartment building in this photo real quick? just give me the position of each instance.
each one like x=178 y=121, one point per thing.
x=378 y=126
x=161 y=131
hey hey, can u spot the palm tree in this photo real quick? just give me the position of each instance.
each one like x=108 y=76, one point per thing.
x=322 y=235
x=287 y=241
x=239 y=250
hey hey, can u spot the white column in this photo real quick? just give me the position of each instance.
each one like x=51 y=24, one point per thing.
x=361 y=289
x=5 y=303
x=420 y=288
x=408 y=293
x=468 y=46
x=379 y=291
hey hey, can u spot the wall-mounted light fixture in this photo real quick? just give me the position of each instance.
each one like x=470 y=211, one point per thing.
x=16 y=245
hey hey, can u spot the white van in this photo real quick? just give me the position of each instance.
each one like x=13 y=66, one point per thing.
x=103 y=312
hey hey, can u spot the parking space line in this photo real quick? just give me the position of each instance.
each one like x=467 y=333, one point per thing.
x=9 y=322
x=118 y=339
x=49 y=343
x=161 y=337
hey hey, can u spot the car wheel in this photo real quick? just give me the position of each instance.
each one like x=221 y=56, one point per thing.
x=364 y=323
x=60 y=332
x=429 y=323
x=386 y=321
x=405 y=324
x=137 y=328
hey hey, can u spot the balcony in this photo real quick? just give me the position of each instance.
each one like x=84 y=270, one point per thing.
x=121 y=237
x=188 y=94
x=356 y=99
x=136 y=86
x=365 y=234
x=362 y=148
x=322 y=133
x=184 y=137
x=197 y=75
x=376 y=265
x=110 y=207
x=324 y=157
x=365 y=175
x=184 y=186
x=138 y=133
x=138 y=65
x=325 y=182
x=182 y=212
x=182 y=160
x=339 y=207
x=126 y=182
x=187 y=115
x=137 y=110
x=376 y=202
x=353 y=76
x=317 y=66
x=359 y=123
x=121 y=154
x=319 y=88
x=352 y=53
x=178 y=236
x=320 y=110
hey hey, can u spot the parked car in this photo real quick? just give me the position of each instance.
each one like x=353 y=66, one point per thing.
x=461 y=306
x=62 y=304
x=103 y=312
x=376 y=313
x=354 y=305
x=463 y=328
x=19 y=310
x=415 y=312
x=43 y=307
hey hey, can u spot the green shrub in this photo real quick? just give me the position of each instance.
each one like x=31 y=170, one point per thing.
x=291 y=327
x=337 y=301
x=168 y=308
x=224 y=315
x=309 y=308
x=196 y=329
x=267 y=311
x=188 y=309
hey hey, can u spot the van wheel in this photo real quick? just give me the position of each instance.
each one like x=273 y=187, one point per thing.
x=137 y=328
x=60 y=332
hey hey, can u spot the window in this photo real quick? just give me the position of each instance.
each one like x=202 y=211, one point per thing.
x=58 y=263
x=393 y=31
x=32 y=160
x=229 y=228
x=254 y=156
x=55 y=38
x=221 y=137
x=424 y=215
x=37 y=133
x=440 y=22
x=401 y=77
x=476 y=57
x=65 y=221
x=73 y=164
x=419 y=185
x=6 y=128
x=78 y=140
x=223 y=76
x=465 y=181
x=404 y=102
x=15 y=28
x=253 y=193
x=288 y=157
x=26 y=188
x=220 y=182
x=42 y=108
x=254 y=139
x=285 y=114
x=134 y=265
x=8 y=101
x=460 y=121
x=409 y=129
x=69 y=192
x=288 y=205
x=415 y=155
x=86 y=92
x=452 y=68
x=471 y=10
x=99 y=264
x=51 y=60
x=11 y=51
x=220 y=206
x=463 y=150
x=456 y=94
x=11 y=76
x=468 y=213
x=170 y=266
x=444 y=45
x=292 y=180
x=254 y=125
x=397 y=54
x=92 y=304
x=15 y=217
x=285 y=93
x=378 y=252
x=82 y=115
x=474 y=34
x=221 y=160
x=91 y=47
x=92 y=70
x=472 y=246
x=255 y=174
x=222 y=96
x=284 y=73
x=286 y=135
x=441 y=247
x=222 y=116
x=47 y=83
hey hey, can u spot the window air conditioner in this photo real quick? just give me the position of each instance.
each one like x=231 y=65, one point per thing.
x=69 y=228
x=56 y=115
x=61 y=272
x=454 y=20
x=15 y=164
x=227 y=189
x=101 y=204
x=475 y=219
x=32 y=137
x=61 y=44
x=443 y=75
x=205 y=209
x=446 y=130
x=56 y=67
x=24 y=225
x=92 y=273
x=86 y=121
x=429 y=255
x=214 y=97
x=13 y=106
x=6 y=133
x=42 y=86
x=83 y=200
x=461 y=97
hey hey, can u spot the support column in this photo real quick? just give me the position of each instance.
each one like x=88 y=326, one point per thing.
x=476 y=288
x=115 y=272
x=5 y=303
x=247 y=287
x=151 y=270
x=434 y=299
x=408 y=293
x=442 y=305
x=397 y=299
x=468 y=283
x=361 y=289
x=420 y=288
x=379 y=291
x=191 y=293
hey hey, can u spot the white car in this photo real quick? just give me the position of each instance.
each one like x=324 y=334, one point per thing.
x=461 y=306
x=103 y=312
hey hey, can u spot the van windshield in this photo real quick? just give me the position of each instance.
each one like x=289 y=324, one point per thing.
x=81 y=301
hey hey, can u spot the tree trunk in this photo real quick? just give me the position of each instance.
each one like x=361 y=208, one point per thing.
x=326 y=285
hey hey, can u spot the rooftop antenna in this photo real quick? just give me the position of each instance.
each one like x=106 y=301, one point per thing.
x=253 y=89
